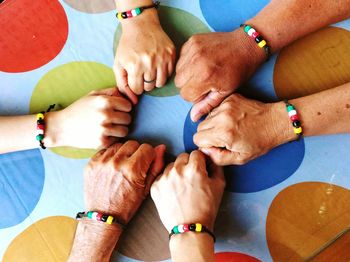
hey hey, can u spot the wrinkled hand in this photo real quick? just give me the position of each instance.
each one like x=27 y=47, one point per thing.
x=241 y=129
x=186 y=194
x=145 y=52
x=94 y=121
x=118 y=179
x=212 y=66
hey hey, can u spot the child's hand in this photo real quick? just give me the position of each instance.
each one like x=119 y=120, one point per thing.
x=95 y=121
x=145 y=55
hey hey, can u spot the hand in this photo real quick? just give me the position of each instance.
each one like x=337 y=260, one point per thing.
x=118 y=179
x=95 y=121
x=212 y=66
x=187 y=192
x=241 y=129
x=144 y=52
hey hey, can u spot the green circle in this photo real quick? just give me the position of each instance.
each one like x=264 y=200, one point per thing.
x=66 y=84
x=180 y=26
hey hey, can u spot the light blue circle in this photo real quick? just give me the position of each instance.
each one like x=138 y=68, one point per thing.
x=227 y=15
x=22 y=176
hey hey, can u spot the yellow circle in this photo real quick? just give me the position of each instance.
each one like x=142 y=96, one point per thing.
x=49 y=239
x=314 y=63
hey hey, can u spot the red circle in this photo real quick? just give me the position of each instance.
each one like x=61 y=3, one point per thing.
x=32 y=33
x=234 y=257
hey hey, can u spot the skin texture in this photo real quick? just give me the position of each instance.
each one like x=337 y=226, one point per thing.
x=189 y=193
x=220 y=62
x=145 y=52
x=116 y=181
x=241 y=129
x=103 y=115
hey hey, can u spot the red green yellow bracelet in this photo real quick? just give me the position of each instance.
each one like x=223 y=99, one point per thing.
x=261 y=42
x=136 y=12
x=197 y=228
x=294 y=118
x=97 y=216
x=40 y=126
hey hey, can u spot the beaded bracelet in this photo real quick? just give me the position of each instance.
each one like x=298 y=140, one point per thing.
x=293 y=116
x=250 y=31
x=136 y=12
x=40 y=126
x=97 y=216
x=197 y=228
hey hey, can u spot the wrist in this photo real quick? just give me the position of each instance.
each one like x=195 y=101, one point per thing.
x=126 y=5
x=94 y=240
x=147 y=18
x=282 y=127
x=53 y=130
x=202 y=247
x=253 y=55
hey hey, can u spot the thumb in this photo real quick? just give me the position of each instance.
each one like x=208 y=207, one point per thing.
x=208 y=103
x=113 y=91
x=222 y=156
x=157 y=165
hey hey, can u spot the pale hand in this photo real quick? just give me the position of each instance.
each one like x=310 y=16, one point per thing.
x=187 y=192
x=94 y=121
x=145 y=52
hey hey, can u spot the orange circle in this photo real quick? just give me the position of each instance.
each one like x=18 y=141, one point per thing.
x=304 y=218
x=49 y=239
x=314 y=63
x=32 y=33
x=145 y=238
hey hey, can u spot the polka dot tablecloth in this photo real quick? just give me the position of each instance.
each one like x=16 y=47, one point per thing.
x=291 y=204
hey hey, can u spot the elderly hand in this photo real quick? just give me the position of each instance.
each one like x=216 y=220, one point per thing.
x=118 y=179
x=212 y=66
x=145 y=53
x=241 y=129
x=187 y=192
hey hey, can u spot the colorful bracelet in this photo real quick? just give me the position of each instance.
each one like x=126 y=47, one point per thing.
x=293 y=115
x=197 y=228
x=136 y=12
x=40 y=126
x=250 y=31
x=97 y=216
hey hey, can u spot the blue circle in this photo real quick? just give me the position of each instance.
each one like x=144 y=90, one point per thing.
x=261 y=173
x=22 y=176
x=225 y=16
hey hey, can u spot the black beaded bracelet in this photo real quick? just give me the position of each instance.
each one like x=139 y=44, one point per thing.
x=197 y=228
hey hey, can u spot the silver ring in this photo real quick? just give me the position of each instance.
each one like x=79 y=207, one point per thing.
x=149 y=81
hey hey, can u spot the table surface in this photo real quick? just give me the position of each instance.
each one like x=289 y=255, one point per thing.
x=289 y=205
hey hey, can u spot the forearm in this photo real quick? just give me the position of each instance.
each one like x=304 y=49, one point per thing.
x=19 y=132
x=283 y=21
x=324 y=113
x=192 y=247
x=94 y=241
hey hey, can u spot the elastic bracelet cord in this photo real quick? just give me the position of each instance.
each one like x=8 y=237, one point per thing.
x=40 y=126
x=136 y=12
x=197 y=228
x=97 y=216
x=259 y=39
x=294 y=118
